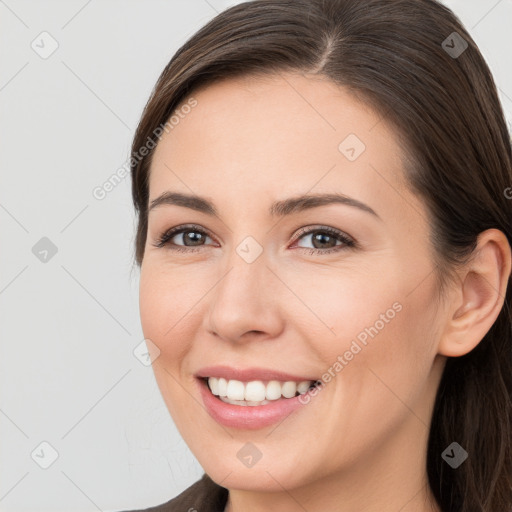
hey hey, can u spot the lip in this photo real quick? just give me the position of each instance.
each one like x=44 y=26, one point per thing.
x=248 y=417
x=249 y=374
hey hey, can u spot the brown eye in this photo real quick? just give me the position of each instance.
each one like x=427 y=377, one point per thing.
x=325 y=239
x=190 y=238
x=184 y=236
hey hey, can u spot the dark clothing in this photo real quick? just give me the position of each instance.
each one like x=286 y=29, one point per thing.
x=202 y=496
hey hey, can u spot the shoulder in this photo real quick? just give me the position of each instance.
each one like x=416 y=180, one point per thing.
x=202 y=496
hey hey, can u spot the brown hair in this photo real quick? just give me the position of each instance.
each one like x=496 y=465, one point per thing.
x=402 y=58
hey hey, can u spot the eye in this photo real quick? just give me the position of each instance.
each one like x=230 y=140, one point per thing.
x=192 y=237
x=324 y=239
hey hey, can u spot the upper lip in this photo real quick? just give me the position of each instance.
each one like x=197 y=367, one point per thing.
x=249 y=374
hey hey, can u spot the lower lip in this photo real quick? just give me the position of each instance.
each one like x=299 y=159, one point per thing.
x=248 y=416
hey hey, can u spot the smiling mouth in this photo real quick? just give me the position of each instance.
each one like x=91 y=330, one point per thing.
x=256 y=392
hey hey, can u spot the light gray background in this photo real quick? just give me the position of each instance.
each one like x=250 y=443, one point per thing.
x=69 y=325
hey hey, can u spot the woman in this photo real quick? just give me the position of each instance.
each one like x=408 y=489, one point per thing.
x=324 y=227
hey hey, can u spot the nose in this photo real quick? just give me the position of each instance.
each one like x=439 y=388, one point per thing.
x=245 y=304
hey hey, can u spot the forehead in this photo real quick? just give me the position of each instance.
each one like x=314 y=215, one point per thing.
x=258 y=137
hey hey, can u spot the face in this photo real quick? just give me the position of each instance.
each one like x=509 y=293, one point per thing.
x=256 y=289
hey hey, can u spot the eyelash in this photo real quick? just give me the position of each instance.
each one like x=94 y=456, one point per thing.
x=348 y=242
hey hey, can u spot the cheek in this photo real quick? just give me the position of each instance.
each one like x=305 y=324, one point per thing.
x=371 y=318
x=378 y=362
x=169 y=313
x=348 y=303
x=166 y=302
x=388 y=342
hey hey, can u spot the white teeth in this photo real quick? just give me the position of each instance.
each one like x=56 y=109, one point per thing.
x=255 y=392
x=274 y=390
x=222 y=387
x=243 y=402
x=303 y=386
x=214 y=386
x=235 y=390
x=289 y=389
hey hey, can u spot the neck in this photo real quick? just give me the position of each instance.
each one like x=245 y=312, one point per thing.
x=390 y=478
x=422 y=501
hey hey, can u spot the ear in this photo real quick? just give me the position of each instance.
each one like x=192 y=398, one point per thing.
x=478 y=299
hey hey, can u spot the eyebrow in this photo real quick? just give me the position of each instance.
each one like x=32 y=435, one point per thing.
x=279 y=208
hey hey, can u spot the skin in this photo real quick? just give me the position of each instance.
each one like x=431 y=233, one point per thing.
x=360 y=444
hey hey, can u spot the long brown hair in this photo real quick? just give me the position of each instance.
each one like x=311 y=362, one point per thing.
x=403 y=58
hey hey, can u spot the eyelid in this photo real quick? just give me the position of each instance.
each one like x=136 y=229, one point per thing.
x=164 y=238
x=307 y=230
x=347 y=240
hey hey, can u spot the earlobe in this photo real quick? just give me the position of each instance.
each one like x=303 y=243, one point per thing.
x=479 y=296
